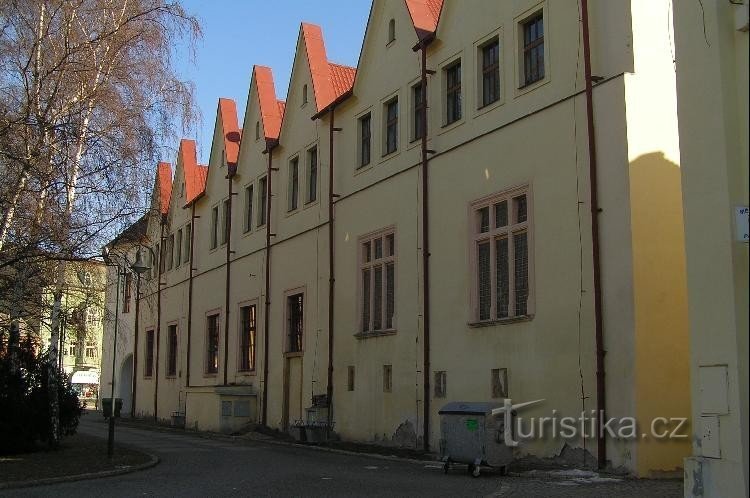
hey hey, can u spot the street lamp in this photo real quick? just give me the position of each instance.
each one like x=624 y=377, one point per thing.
x=137 y=267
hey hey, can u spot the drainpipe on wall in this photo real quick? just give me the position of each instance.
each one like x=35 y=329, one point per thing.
x=601 y=442
x=422 y=46
x=158 y=318
x=228 y=234
x=135 y=343
x=266 y=314
x=331 y=273
x=190 y=295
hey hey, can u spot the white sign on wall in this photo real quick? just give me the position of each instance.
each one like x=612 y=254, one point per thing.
x=741 y=217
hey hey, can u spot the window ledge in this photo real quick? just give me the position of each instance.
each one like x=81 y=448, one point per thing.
x=377 y=333
x=296 y=354
x=246 y=373
x=501 y=321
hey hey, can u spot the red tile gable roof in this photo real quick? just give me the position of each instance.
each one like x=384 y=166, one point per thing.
x=270 y=110
x=342 y=78
x=317 y=60
x=230 y=130
x=425 y=15
x=195 y=175
x=164 y=179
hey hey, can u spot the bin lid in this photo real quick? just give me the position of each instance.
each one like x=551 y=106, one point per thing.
x=469 y=407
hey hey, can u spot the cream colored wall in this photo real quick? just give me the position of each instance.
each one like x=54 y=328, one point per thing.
x=712 y=83
x=660 y=292
x=534 y=136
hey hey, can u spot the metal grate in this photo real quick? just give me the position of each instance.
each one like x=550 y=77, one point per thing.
x=366 y=300
x=521 y=252
x=390 y=301
x=441 y=384
x=484 y=291
x=378 y=299
x=387 y=378
x=212 y=349
x=501 y=269
x=295 y=322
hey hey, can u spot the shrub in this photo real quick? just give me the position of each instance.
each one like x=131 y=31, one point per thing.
x=24 y=401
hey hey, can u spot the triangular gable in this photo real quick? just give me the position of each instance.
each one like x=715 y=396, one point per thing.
x=195 y=175
x=270 y=112
x=164 y=185
x=230 y=130
x=425 y=15
x=317 y=60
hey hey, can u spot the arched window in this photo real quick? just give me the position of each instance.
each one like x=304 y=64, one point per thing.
x=391 y=30
x=257 y=130
x=304 y=94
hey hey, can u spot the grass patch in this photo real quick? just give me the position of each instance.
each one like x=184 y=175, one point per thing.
x=77 y=454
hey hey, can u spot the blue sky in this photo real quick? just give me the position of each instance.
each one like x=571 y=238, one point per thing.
x=240 y=33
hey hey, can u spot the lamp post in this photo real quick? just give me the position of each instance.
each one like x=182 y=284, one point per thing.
x=137 y=267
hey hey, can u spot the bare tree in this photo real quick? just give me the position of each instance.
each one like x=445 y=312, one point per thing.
x=89 y=92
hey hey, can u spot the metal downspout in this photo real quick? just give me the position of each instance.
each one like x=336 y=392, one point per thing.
x=267 y=309
x=601 y=442
x=331 y=273
x=135 y=343
x=425 y=257
x=190 y=295
x=227 y=234
x=158 y=321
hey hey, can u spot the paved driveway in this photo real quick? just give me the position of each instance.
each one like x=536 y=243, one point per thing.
x=195 y=466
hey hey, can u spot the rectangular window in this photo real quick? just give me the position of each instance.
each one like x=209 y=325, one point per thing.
x=226 y=212
x=533 y=49
x=214 y=227
x=127 y=293
x=295 y=322
x=172 y=350
x=418 y=111
x=350 y=378
x=490 y=56
x=188 y=243
x=212 y=344
x=453 y=93
x=387 y=378
x=365 y=137
x=91 y=351
x=312 y=175
x=501 y=241
x=247 y=338
x=170 y=254
x=441 y=384
x=248 y=221
x=293 y=190
x=378 y=291
x=149 y=366
x=391 y=126
x=178 y=249
x=263 y=201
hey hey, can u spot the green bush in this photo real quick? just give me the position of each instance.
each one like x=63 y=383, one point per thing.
x=25 y=419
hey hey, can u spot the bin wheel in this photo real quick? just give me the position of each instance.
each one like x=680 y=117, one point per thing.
x=446 y=467
x=475 y=471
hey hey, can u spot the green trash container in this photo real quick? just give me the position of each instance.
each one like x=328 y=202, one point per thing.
x=107 y=407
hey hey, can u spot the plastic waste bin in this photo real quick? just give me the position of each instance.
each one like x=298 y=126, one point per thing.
x=470 y=434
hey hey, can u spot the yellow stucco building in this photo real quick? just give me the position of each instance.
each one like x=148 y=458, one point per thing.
x=422 y=229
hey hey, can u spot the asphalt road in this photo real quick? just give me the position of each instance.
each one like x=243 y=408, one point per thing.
x=195 y=466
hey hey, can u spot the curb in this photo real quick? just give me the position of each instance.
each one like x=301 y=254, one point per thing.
x=277 y=442
x=154 y=460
